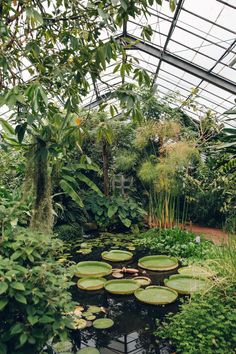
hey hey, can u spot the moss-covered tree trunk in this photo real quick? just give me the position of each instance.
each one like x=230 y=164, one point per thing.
x=105 y=160
x=42 y=214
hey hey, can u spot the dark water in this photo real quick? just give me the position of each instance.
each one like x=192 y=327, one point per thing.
x=134 y=321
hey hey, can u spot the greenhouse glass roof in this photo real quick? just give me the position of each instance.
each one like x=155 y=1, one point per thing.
x=191 y=52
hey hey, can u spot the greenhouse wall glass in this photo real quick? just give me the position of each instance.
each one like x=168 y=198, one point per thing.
x=118 y=177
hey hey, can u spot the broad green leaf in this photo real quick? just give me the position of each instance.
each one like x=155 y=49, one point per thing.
x=3 y=303
x=16 y=254
x=3 y=287
x=7 y=127
x=172 y=5
x=89 y=182
x=124 y=4
x=20 y=298
x=23 y=339
x=17 y=328
x=125 y=221
x=18 y=286
x=68 y=189
x=46 y=319
x=112 y=210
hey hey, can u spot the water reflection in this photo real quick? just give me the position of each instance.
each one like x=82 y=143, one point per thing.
x=134 y=322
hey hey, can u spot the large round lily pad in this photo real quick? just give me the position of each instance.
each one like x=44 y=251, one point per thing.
x=88 y=350
x=158 y=262
x=156 y=295
x=196 y=271
x=93 y=268
x=117 y=255
x=103 y=323
x=121 y=286
x=91 y=283
x=143 y=281
x=186 y=284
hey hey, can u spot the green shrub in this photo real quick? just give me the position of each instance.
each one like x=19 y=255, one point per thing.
x=69 y=232
x=174 y=242
x=114 y=212
x=205 y=325
x=33 y=293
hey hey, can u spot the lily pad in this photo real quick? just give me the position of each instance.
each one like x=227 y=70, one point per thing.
x=93 y=268
x=94 y=309
x=156 y=295
x=121 y=286
x=103 y=323
x=186 y=284
x=80 y=323
x=91 y=283
x=88 y=350
x=117 y=255
x=143 y=281
x=118 y=275
x=62 y=347
x=90 y=317
x=196 y=271
x=84 y=251
x=158 y=262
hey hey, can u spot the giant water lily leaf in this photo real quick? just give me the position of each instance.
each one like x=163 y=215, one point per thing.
x=186 y=284
x=91 y=283
x=93 y=268
x=121 y=286
x=143 y=281
x=94 y=309
x=62 y=347
x=156 y=295
x=117 y=255
x=158 y=262
x=196 y=271
x=103 y=323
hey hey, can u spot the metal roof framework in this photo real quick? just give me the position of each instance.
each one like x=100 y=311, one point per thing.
x=192 y=48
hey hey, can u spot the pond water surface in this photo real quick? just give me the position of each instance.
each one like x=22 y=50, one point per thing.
x=134 y=321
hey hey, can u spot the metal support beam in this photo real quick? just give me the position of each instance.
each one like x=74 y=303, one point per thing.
x=99 y=99
x=168 y=38
x=180 y=63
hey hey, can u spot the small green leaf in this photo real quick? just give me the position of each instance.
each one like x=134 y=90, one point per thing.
x=46 y=319
x=17 y=328
x=3 y=287
x=124 y=4
x=16 y=255
x=23 y=339
x=112 y=210
x=3 y=303
x=18 y=286
x=20 y=298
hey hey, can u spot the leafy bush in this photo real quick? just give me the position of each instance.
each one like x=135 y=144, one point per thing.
x=113 y=212
x=33 y=293
x=174 y=242
x=69 y=232
x=205 y=325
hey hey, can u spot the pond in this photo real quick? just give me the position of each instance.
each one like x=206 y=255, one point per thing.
x=134 y=321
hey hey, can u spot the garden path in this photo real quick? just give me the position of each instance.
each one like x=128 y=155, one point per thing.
x=217 y=236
